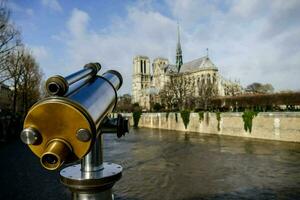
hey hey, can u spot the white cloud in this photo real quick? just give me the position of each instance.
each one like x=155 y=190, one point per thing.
x=52 y=4
x=29 y=12
x=77 y=24
x=40 y=53
x=115 y=47
x=244 y=38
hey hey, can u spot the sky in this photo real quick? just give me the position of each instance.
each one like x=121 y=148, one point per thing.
x=248 y=40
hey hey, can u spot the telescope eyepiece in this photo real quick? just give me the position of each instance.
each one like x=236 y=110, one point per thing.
x=49 y=159
x=55 y=154
x=53 y=88
x=56 y=85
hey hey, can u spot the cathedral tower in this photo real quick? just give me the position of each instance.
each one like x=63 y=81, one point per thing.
x=178 y=51
x=141 y=79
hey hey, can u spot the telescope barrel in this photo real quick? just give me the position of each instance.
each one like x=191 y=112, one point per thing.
x=99 y=97
x=58 y=85
x=64 y=128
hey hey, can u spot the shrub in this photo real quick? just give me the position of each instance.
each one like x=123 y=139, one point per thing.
x=157 y=107
x=248 y=116
x=185 y=115
x=136 y=117
x=218 y=116
x=201 y=116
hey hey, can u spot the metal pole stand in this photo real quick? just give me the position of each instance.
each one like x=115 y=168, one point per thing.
x=93 y=178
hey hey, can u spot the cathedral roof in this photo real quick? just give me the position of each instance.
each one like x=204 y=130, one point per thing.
x=203 y=63
x=141 y=57
x=170 y=68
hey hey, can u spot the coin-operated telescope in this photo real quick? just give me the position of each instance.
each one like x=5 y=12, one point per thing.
x=68 y=126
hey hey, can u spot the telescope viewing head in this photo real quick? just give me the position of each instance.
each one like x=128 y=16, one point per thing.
x=58 y=85
x=64 y=127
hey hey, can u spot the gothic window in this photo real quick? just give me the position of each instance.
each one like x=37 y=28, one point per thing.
x=202 y=79
x=208 y=78
x=141 y=66
x=145 y=66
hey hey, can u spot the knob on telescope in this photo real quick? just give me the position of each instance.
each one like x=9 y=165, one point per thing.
x=119 y=125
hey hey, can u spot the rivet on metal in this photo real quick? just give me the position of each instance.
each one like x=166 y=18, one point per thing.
x=83 y=135
x=29 y=136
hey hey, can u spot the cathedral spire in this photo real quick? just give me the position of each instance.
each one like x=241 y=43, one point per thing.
x=178 y=50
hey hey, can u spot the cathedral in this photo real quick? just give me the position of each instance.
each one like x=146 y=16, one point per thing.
x=147 y=83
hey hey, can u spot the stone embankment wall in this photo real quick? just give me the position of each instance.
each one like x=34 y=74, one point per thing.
x=282 y=126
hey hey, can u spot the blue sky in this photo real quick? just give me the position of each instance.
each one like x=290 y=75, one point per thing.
x=248 y=40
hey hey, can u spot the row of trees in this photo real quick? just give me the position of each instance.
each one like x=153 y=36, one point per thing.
x=259 y=102
x=20 y=77
x=18 y=68
x=179 y=94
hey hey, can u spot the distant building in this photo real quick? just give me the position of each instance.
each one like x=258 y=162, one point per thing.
x=145 y=83
x=5 y=100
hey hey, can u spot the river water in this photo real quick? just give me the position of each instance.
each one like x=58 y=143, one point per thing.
x=169 y=165
x=163 y=164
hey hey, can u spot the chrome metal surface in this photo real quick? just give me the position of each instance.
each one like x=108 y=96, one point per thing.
x=72 y=78
x=30 y=136
x=83 y=135
x=58 y=85
x=74 y=173
x=104 y=195
x=94 y=159
x=77 y=85
x=98 y=97
x=91 y=185
x=114 y=77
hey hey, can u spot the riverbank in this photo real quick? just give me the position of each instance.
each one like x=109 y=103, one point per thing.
x=280 y=126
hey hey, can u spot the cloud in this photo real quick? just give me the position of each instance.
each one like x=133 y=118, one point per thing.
x=77 y=24
x=40 y=52
x=115 y=47
x=248 y=40
x=29 y=12
x=254 y=41
x=17 y=8
x=52 y=4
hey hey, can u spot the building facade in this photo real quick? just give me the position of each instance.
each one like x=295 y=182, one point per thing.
x=5 y=97
x=147 y=82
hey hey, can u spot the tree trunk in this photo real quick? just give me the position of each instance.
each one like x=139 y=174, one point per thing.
x=15 y=98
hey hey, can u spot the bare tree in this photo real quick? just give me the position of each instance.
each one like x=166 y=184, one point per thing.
x=25 y=77
x=259 y=88
x=30 y=82
x=15 y=70
x=124 y=103
x=167 y=97
x=9 y=40
x=207 y=90
x=177 y=92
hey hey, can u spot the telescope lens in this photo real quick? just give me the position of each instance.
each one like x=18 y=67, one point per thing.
x=53 y=88
x=50 y=159
x=55 y=154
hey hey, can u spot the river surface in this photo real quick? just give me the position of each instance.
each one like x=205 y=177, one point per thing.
x=169 y=165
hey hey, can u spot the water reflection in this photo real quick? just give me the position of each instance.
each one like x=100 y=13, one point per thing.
x=161 y=164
